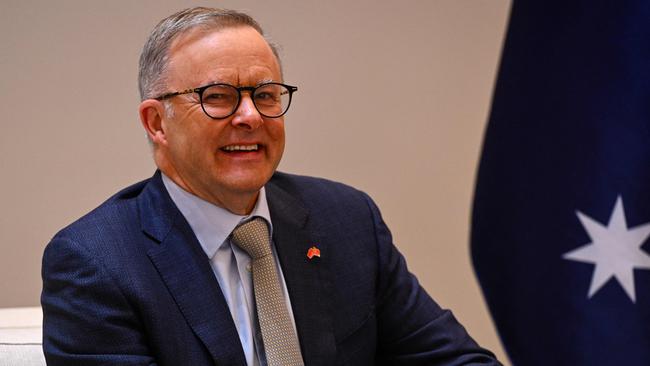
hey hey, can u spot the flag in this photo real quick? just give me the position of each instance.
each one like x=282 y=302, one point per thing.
x=561 y=213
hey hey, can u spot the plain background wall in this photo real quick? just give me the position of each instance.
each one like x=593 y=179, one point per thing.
x=393 y=99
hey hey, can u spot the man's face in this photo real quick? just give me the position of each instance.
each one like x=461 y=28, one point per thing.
x=198 y=149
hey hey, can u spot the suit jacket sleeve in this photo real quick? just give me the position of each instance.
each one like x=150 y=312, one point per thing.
x=89 y=320
x=412 y=328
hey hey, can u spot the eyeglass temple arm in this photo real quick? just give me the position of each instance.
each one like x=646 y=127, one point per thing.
x=186 y=91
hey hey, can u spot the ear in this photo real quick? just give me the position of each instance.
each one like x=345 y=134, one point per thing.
x=152 y=115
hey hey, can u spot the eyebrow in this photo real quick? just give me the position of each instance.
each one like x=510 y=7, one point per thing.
x=260 y=82
x=267 y=81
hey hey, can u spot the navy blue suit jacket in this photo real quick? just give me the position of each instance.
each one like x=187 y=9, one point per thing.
x=128 y=284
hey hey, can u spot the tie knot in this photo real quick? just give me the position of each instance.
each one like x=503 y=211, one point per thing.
x=253 y=237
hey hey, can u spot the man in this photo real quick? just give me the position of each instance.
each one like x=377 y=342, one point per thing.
x=161 y=273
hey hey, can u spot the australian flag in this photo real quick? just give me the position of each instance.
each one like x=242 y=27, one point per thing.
x=561 y=215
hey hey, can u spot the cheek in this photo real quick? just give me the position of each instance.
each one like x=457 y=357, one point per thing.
x=193 y=148
x=277 y=145
x=276 y=132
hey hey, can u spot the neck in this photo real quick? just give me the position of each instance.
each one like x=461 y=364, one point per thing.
x=239 y=203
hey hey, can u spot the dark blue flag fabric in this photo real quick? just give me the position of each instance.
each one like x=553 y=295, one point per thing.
x=561 y=215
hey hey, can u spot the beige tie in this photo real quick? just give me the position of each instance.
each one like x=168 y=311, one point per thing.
x=280 y=340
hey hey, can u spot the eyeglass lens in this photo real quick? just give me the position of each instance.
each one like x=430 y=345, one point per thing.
x=221 y=100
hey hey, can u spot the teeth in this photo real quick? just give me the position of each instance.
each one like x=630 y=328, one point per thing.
x=241 y=147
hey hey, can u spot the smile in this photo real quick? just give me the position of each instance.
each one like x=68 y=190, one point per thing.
x=229 y=148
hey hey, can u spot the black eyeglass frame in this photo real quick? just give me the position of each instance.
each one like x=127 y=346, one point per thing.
x=239 y=89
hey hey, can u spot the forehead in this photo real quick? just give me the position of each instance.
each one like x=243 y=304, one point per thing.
x=237 y=55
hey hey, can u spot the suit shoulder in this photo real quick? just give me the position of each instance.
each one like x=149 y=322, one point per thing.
x=320 y=191
x=114 y=213
x=307 y=184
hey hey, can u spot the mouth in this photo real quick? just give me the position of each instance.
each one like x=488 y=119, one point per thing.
x=240 y=148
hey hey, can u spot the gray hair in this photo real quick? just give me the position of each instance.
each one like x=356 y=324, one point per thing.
x=155 y=53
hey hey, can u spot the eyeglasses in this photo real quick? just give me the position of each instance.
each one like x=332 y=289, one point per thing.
x=219 y=101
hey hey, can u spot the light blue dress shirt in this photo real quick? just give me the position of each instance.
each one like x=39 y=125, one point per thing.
x=212 y=226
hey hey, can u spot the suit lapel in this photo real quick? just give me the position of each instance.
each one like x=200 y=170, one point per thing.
x=186 y=271
x=307 y=280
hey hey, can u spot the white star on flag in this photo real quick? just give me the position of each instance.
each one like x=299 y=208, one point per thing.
x=615 y=250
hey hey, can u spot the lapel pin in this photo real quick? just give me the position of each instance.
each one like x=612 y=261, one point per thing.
x=313 y=252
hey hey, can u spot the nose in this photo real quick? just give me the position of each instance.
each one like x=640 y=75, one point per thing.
x=246 y=116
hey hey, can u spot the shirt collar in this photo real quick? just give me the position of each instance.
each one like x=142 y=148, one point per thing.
x=212 y=224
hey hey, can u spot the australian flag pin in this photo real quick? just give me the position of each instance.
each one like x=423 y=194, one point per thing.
x=313 y=252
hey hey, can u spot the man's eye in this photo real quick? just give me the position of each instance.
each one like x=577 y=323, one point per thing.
x=218 y=98
x=265 y=96
x=215 y=96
